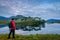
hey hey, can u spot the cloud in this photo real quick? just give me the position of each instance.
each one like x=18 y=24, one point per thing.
x=36 y=8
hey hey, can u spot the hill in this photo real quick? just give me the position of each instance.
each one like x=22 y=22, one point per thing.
x=53 y=21
x=5 y=18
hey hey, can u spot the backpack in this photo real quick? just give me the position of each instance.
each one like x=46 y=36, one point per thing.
x=10 y=25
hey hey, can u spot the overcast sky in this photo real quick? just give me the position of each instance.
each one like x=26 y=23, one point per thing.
x=46 y=9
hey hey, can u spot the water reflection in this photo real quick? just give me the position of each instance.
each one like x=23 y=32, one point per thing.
x=30 y=28
x=48 y=29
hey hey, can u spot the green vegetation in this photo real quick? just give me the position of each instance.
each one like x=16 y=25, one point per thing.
x=33 y=23
x=30 y=21
x=32 y=37
x=3 y=22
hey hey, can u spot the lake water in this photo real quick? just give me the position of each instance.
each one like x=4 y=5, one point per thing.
x=49 y=29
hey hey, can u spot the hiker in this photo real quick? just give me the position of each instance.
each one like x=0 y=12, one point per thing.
x=12 y=28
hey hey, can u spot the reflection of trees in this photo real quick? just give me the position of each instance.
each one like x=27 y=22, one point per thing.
x=31 y=24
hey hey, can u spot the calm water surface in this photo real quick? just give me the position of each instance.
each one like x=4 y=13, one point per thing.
x=49 y=29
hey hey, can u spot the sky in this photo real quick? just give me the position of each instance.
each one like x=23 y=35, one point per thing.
x=45 y=9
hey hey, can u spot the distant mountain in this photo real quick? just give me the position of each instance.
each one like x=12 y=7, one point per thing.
x=53 y=20
x=3 y=18
x=17 y=16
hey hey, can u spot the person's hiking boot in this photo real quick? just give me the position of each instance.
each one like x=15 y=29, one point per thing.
x=13 y=37
x=8 y=38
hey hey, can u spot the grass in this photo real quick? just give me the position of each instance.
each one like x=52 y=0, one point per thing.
x=32 y=37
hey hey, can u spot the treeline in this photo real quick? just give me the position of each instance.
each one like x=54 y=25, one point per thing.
x=30 y=21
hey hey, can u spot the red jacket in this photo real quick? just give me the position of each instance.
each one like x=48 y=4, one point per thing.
x=13 y=25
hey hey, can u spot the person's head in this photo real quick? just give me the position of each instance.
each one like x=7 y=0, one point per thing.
x=12 y=19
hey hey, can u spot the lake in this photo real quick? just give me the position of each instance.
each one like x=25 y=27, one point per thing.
x=49 y=29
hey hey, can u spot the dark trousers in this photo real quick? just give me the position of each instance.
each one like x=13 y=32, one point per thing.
x=12 y=32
